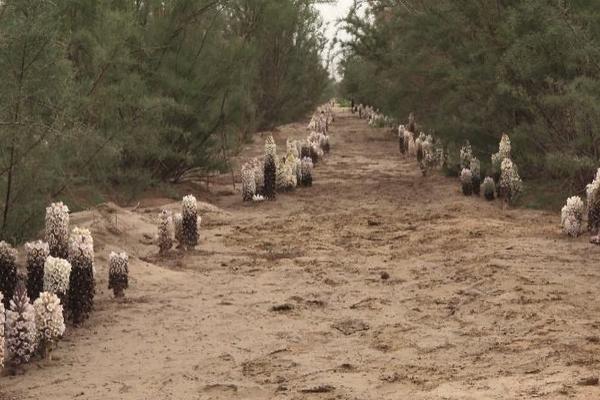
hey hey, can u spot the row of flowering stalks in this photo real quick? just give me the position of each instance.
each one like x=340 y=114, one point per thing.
x=504 y=180
x=181 y=229
x=574 y=211
x=59 y=280
x=424 y=147
x=264 y=178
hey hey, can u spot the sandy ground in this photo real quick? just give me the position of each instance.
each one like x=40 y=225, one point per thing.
x=287 y=299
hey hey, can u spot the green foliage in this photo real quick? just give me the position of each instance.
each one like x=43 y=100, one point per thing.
x=132 y=93
x=472 y=70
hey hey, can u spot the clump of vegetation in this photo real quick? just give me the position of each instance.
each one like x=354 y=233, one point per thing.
x=36 y=255
x=189 y=221
x=165 y=232
x=571 y=216
x=118 y=273
x=57 y=229
x=510 y=182
x=49 y=321
x=466 y=180
x=21 y=334
x=82 y=285
x=489 y=188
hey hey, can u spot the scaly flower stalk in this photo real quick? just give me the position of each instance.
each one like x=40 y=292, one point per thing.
x=37 y=253
x=82 y=285
x=306 y=168
x=248 y=182
x=489 y=188
x=571 y=216
x=57 y=229
x=466 y=180
x=189 y=214
x=165 y=232
x=2 y=324
x=475 y=167
x=49 y=321
x=118 y=273
x=510 y=182
x=21 y=333
x=593 y=203
x=57 y=274
x=8 y=271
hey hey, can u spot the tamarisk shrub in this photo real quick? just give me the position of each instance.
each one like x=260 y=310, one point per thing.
x=2 y=323
x=118 y=273
x=57 y=229
x=189 y=223
x=510 y=182
x=20 y=328
x=36 y=254
x=8 y=271
x=248 y=182
x=165 y=232
x=82 y=286
x=571 y=216
x=57 y=275
x=306 y=168
x=466 y=180
x=49 y=321
x=475 y=167
x=489 y=188
x=270 y=169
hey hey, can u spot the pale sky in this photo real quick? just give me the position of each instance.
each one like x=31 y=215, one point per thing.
x=331 y=14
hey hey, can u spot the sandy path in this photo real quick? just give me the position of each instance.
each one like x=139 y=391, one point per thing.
x=480 y=303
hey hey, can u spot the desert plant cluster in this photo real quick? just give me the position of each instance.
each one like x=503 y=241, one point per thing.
x=262 y=178
x=57 y=284
x=573 y=213
x=503 y=180
x=181 y=229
